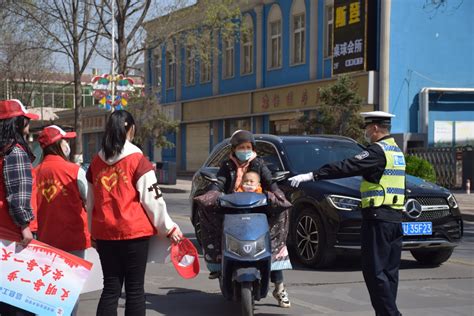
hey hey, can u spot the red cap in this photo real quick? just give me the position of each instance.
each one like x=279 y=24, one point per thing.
x=13 y=108
x=51 y=134
x=185 y=258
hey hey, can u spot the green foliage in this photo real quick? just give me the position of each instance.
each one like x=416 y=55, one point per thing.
x=421 y=168
x=151 y=121
x=338 y=111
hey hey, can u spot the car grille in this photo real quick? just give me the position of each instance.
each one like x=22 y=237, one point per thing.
x=439 y=208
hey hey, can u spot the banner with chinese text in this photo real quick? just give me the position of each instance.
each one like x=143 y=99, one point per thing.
x=349 y=50
x=40 y=278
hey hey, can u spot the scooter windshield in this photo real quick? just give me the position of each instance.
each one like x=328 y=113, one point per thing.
x=243 y=200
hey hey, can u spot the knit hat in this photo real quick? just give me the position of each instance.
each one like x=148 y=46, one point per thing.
x=240 y=137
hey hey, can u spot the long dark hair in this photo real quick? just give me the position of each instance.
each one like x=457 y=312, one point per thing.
x=54 y=149
x=11 y=134
x=119 y=123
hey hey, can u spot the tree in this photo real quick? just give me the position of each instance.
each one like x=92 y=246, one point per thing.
x=338 y=112
x=73 y=29
x=151 y=121
x=23 y=63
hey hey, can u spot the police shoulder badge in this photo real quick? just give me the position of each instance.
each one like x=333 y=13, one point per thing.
x=362 y=155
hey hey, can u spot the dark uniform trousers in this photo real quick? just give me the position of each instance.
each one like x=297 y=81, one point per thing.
x=381 y=254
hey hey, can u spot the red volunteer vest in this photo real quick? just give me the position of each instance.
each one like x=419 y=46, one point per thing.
x=7 y=226
x=62 y=218
x=118 y=213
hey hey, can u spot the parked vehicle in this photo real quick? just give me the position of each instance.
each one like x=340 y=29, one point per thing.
x=326 y=217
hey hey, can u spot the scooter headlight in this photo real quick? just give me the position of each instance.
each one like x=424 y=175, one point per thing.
x=244 y=248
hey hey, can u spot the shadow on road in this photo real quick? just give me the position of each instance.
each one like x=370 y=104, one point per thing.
x=186 y=302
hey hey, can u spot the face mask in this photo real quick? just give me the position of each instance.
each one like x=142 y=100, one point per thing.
x=249 y=188
x=367 y=137
x=67 y=150
x=244 y=155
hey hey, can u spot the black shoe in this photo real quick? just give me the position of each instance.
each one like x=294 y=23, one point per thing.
x=214 y=275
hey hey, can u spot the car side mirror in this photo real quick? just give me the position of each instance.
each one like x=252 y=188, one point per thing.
x=208 y=176
x=279 y=175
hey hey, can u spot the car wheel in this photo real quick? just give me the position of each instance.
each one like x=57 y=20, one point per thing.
x=432 y=257
x=310 y=242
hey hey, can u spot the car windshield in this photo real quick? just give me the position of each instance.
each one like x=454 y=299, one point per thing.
x=309 y=155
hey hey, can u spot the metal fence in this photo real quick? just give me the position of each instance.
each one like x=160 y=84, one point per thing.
x=447 y=162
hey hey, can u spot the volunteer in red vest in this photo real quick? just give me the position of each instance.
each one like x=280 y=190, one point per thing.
x=61 y=195
x=127 y=209
x=15 y=179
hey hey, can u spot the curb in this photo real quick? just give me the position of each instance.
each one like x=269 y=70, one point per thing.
x=173 y=190
x=468 y=217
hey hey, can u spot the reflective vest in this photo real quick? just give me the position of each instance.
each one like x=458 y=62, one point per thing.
x=390 y=190
x=62 y=217
x=118 y=213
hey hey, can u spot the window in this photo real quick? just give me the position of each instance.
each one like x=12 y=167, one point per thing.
x=298 y=39
x=328 y=17
x=269 y=154
x=170 y=70
x=275 y=29
x=247 y=46
x=298 y=32
x=274 y=38
x=228 y=58
x=157 y=71
x=190 y=66
x=205 y=58
x=219 y=157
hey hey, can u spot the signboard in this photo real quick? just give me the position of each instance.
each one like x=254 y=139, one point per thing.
x=464 y=133
x=40 y=278
x=443 y=133
x=350 y=36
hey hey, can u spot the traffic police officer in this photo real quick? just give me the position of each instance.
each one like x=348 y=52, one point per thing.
x=382 y=167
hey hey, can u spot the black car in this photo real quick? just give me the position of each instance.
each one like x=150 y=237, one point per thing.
x=326 y=215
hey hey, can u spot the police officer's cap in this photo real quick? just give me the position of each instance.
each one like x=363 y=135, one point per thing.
x=240 y=137
x=378 y=117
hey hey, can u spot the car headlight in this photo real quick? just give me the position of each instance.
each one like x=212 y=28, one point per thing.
x=344 y=203
x=452 y=201
x=243 y=248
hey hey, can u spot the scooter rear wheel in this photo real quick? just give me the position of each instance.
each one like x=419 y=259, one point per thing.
x=246 y=299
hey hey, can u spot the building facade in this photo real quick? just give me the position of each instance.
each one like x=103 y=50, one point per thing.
x=413 y=58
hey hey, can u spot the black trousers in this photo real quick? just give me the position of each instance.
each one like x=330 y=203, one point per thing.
x=9 y=310
x=123 y=261
x=381 y=254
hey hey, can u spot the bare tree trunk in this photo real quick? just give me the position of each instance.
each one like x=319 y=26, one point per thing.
x=78 y=115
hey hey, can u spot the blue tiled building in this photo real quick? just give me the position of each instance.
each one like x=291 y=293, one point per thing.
x=419 y=65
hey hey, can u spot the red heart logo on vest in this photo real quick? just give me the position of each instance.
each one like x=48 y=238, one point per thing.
x=110 y=181
x=49 y=193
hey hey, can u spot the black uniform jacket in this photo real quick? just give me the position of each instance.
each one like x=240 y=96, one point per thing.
x=370 y=164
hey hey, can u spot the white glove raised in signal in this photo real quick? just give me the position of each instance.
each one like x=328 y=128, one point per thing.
x=304 y=177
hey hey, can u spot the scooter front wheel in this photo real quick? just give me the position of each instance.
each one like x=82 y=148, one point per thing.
x=246 y=298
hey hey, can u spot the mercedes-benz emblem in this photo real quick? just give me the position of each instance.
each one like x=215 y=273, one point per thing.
x=413 y=208
x=247 y=248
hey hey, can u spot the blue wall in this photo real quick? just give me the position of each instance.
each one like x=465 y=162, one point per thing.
x=429 y=48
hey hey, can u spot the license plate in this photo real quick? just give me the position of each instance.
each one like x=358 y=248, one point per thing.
x=417 y=228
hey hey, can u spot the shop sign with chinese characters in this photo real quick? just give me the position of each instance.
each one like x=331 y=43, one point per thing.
x=349 y=51
x=40 y=278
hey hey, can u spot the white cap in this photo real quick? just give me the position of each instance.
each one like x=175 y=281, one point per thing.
x=380 y=117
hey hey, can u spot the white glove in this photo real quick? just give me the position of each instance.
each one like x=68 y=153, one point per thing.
x=304 y=177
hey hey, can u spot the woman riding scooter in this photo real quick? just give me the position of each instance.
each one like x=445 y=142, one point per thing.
x=242 y=159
